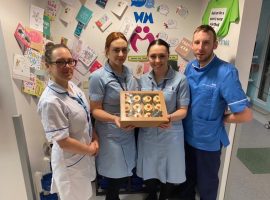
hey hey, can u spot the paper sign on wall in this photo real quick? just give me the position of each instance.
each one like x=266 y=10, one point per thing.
x=163 y=9
x=78 y=30
x=84 y=15
x=51 y=10
x=69 y=2
x=119 y=7
x=46 y=26
x=101 y=3
x=36 y=38
x=127 y=28
x=22 y=37
x=33 y=87
x=104 y=22
x=170 y=24
x=66 y=13
x=36 y=18
x=87 y=56
x=80 y=67
x=21 y=68
x=96 y=65
x=76 y=48
x=34 y=58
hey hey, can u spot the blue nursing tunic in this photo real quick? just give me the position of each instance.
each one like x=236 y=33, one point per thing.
x=213 y=87
x=117 y=154
x=161 y=151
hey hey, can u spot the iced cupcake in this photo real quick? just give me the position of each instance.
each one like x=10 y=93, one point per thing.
x=156 y=99
x=148 y=107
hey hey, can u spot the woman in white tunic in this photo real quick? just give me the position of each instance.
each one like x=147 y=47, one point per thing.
x=161 y=156
x=65 y=117
x=117 y=153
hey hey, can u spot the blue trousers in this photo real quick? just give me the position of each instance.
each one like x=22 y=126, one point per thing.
x=202 y=172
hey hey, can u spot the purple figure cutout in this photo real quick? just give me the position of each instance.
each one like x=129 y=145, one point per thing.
x=133 y=40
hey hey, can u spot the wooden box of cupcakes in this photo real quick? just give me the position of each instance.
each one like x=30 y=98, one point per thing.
x=142 y=108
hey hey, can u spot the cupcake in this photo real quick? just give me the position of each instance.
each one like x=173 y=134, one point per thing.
x=127 y=98
x=136 y=106
x=136 y=98
x=127 y=107
x=156 y=99
x=148 y=107
x=147 y=99
x=157 y=106
x=148 y=114
x=137 y=115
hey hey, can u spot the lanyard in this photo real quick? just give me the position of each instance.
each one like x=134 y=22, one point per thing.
x=163 y=85
x=81 y=102
x=78 y=99
x=125 y=84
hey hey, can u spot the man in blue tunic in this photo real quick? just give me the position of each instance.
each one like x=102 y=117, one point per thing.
x=214 y=89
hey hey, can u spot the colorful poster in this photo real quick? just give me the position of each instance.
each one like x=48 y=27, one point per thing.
x=33 y=87
x=84 y=15
x=36 y=38
x=36 y=18
x=78 y=30
x=46 y=27
x=101 y=3
x=22 y=37
x=96 y=65
x=51 y=9
x=220 y=14
x=104 y=22
x=87 y=56
x=33 y=57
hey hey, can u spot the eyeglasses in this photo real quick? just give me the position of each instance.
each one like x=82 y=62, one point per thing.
x=117 y=50
x=62 y=63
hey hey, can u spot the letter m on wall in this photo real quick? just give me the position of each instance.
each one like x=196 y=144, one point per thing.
x=143 y=17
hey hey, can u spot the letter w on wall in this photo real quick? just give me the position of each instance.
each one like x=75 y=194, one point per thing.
x=143 y=17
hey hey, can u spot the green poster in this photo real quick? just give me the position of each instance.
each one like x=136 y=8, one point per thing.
x=46 y=26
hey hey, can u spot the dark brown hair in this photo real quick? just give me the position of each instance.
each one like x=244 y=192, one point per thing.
x=206 y=28
x=49 y=48
x=159 y=42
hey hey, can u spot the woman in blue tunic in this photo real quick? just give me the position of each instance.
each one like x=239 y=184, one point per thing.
x=161 y=157
x=117 y=152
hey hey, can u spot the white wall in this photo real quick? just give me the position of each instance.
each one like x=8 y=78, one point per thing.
x=11 y=172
